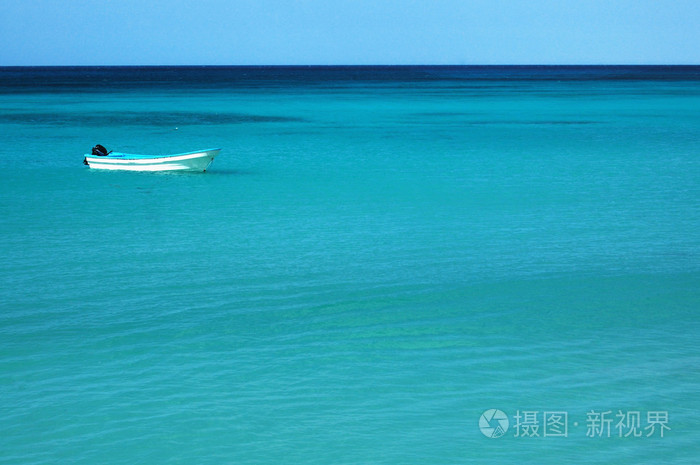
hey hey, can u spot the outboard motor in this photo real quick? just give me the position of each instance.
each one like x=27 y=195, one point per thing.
x=100 y=151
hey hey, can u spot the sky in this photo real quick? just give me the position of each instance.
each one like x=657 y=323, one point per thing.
x=350 y=32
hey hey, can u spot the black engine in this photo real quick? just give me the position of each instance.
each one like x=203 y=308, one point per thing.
x=100 y=151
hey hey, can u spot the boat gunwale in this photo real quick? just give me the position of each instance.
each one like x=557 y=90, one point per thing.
x=137 y=157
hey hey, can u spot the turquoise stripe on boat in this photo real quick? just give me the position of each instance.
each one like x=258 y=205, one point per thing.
x=133 y=156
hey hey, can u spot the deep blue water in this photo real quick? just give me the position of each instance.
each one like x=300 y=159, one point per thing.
x=378 y=256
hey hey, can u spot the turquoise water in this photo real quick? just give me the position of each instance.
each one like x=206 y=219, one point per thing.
x=377 y=257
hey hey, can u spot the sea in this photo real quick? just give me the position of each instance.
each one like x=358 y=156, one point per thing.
x=385 y=265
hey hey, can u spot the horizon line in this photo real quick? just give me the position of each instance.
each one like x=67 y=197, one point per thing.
x=601 y=65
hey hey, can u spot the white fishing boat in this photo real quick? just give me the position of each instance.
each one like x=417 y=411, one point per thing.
x=190 y=161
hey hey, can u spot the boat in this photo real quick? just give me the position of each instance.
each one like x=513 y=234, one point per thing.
x=199 y=160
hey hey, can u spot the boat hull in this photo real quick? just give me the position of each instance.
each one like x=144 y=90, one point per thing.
x=197 y=161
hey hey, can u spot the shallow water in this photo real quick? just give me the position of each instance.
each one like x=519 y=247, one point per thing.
x=377 y=257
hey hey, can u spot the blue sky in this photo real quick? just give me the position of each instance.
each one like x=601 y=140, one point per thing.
x=255 y=32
